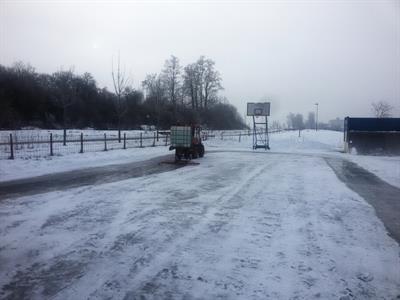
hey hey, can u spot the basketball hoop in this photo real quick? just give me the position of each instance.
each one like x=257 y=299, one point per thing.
x=258 y=112
x=260 y=134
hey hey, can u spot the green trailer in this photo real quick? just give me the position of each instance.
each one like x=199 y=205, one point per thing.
x=186 y=141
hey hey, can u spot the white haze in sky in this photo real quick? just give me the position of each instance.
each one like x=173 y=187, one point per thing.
x=342 y=54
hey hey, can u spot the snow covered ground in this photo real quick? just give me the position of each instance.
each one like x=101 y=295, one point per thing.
x=235 y=226
x=278 y=225
x=310 y=142
x=24 y=168
x=385 y=167
x=321 y=143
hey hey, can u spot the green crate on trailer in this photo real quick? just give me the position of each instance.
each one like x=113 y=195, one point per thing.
x=181 y=136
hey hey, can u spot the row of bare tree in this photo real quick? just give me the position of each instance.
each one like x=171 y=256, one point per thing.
x=65 y=99
x=190 y=90
x=196 y=85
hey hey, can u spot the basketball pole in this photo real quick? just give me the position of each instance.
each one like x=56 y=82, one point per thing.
x=254 y=132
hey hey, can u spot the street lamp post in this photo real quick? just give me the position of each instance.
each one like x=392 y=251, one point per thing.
x=316 y=117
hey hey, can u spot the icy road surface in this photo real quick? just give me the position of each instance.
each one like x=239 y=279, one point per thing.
x=87 y=176
x=237 y=226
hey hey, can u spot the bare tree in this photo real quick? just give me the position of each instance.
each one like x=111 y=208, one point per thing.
x=310 y=124
x=201 y=82
x=64 y=84
x=201 y=68
x=121 y=83
x=22 y=68
x=276 y=126
x=295 y=121
x=381 y=109
x=190 y=84
x=154 y=88
x=170 y=76
x=212 y=81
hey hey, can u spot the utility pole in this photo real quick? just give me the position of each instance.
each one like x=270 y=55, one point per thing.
x=316 y=117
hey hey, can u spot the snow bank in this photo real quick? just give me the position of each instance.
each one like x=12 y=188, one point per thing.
x=24 y=168
x=385 y=167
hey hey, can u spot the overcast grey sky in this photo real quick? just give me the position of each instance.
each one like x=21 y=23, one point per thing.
x=342 y=54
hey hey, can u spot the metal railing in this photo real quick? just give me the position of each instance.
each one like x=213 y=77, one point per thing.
x=22 y=146
x=37 y=144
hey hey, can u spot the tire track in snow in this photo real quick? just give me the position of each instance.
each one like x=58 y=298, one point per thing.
x=152 y=247
x=158 y=262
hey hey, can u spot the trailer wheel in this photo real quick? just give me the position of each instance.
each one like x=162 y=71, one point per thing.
x=178 y=154
x=186 y=154
x=201 y=150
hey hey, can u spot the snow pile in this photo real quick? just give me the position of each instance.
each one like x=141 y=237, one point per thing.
x=24 y=168
x=385 y=167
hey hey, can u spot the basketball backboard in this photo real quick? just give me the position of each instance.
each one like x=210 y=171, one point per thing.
x=258 y=109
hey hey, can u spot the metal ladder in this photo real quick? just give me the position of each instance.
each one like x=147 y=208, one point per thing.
x=260 y=134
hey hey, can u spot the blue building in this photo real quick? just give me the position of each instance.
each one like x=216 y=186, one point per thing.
x=372 y=135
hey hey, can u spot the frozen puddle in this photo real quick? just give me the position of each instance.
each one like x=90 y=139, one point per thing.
x=237 y=226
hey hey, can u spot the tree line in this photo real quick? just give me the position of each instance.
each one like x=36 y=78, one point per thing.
x=65 y=99
x=380 y=109
x=297 y=121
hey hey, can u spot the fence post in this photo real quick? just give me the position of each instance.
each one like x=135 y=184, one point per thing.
x=51 y=144
x=240 y=136
x=157 y=135
x=105 y=142
x=11 y=147
x=119 y=135
x=65 y=137
x=141 y=140
x=81 y=143
x=124 y=140
x=166 y=140
x=154 y=140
